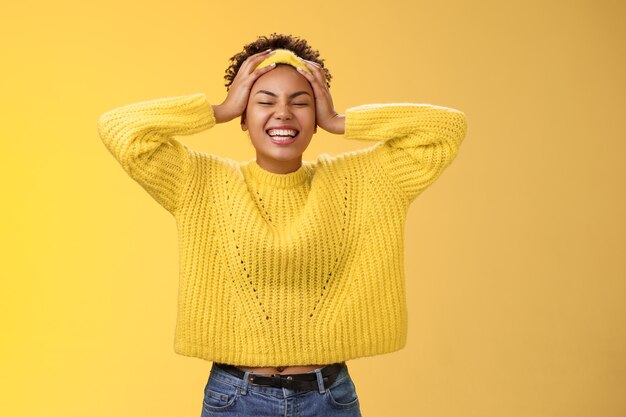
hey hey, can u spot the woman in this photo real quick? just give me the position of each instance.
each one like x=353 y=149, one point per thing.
x=289 y=268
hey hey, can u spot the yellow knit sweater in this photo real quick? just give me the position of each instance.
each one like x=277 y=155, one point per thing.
x=287 y=269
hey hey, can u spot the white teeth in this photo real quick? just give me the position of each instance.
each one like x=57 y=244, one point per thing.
x=282 y=132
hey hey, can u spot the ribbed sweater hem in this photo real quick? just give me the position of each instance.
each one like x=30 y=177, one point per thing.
x=263 y=359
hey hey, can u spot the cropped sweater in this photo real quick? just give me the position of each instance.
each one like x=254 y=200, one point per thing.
x=287 y=269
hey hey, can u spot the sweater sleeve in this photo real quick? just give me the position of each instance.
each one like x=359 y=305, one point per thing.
x=141 y=137
x=420 y=140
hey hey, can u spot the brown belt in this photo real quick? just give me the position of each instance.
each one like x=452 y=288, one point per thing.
x=296 y=382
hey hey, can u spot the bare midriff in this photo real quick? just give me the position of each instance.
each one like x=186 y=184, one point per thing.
x=282 y=370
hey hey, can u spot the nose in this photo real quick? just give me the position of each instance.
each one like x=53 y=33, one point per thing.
x=282 y=112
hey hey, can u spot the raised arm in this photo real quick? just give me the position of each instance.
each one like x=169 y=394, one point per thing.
x=141 y=137
x=420 y=140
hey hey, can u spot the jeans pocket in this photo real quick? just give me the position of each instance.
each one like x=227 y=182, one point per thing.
x=219 y=395
x=342 y=393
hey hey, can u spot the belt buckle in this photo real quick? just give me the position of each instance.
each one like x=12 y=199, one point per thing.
x=277 y=380
x=251 y=379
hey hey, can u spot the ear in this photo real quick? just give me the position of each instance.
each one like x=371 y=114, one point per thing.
x=244 y=125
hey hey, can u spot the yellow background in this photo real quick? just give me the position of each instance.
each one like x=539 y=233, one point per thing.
x=515 y=257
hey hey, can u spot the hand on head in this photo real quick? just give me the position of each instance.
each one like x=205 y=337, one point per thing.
x=326 y=116
x=237 y=99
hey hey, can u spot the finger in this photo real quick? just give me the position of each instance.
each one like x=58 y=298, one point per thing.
x=313 y=68
x=253 y=60
x=310 y=77
x=251 y=78
x=316 y=69
x=319 y=90
x=258 y=72
x=311 y=62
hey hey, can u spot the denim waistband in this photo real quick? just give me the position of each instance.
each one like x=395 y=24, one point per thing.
x=243 y=384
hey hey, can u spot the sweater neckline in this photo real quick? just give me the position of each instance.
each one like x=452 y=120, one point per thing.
x=291 y=179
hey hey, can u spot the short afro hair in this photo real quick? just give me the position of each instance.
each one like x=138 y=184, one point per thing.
x=275 y=41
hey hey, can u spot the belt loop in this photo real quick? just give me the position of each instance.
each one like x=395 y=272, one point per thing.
x=320 y=380
x=244 y=388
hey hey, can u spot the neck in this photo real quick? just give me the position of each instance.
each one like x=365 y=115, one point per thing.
x=279 y=167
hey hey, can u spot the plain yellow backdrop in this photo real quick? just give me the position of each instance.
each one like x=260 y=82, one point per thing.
x=515 y=257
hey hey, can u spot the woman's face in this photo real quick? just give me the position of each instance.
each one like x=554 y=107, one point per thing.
x=281 y=104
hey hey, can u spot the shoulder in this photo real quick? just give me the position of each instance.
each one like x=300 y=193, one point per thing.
x=363 y=168
x=352 y=161
x=207 y=163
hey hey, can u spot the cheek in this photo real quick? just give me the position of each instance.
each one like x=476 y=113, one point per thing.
x=308 y=116
x=258 y=116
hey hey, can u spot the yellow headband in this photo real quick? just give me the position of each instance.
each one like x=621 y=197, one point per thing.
x=284 y=56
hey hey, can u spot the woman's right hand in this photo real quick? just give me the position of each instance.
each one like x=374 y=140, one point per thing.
x=237 y=99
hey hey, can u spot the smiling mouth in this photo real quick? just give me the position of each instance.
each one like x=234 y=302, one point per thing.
x=282 y=136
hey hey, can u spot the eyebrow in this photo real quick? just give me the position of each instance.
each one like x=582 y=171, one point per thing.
x=269 y=93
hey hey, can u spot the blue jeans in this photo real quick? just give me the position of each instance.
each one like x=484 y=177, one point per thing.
x=228 y=396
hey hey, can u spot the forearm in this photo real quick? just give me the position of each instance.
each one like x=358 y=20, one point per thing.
x=338 y=125
x=419 y=140
x=141 y=137
x=154 y=119
x=407 y=125
x=222 y=113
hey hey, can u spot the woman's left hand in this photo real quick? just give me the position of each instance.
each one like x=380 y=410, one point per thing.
x=327 y=118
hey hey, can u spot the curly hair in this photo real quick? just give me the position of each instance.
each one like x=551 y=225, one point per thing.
x=295 y=44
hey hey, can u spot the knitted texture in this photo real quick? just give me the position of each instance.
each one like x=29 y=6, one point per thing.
x=284 y=56
x=287 y=269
